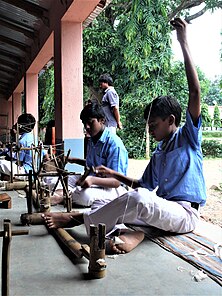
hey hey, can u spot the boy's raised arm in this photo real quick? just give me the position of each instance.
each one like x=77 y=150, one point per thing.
x=191 y=72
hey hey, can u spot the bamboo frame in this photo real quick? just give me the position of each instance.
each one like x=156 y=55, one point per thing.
x=7 y=234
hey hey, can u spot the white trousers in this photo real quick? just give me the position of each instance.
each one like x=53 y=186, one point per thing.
x=144 y=208
x=5 y=168
x=87 y=196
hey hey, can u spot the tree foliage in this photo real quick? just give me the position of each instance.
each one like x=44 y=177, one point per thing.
x=206 y=119
x=46 y=96
x=214 y=94
x=131 y=40
x=217 y=120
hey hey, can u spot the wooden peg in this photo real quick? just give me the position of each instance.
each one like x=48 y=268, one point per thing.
x=97 y=264
x=44 y=200
x=7 y=234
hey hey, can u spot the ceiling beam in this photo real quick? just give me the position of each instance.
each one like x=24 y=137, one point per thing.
x=17 y=59
x=13 y=25
x=5 y=74
x=7 y=68
x=10 y=63
x=22 y=46
x=31 y=8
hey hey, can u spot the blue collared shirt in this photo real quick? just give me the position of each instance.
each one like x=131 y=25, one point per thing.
x=25 y=156
x=108 y=151
x=177 y=169
x=26 y=140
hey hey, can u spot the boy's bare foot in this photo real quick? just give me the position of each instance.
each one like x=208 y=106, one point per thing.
x=131 y=240
x=63 y=220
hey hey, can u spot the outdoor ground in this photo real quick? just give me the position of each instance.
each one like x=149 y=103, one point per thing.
x=212 y=211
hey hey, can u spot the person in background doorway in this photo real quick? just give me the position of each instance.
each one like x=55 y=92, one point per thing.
x=110 y=103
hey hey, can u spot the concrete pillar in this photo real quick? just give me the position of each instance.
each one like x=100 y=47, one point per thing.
x=69 y=88
x=5 y=120
x=9 y=107
x=32 y=97
x=17 y=106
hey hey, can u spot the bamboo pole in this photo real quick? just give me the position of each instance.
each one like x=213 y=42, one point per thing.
x=16 y=185
x=74 y=246
x=32 y=219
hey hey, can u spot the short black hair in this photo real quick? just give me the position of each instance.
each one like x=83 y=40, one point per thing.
x=92 y=110
x=106 y=78
x=163 y=106
x=26 y=123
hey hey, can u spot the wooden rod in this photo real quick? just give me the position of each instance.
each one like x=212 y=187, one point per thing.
x=74 y=246
x=5 y=257
x=32 y=219
x=16 y=185
x=11 y=173
x=29 y=194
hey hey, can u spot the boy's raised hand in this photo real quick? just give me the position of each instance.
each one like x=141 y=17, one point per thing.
x=180 y=27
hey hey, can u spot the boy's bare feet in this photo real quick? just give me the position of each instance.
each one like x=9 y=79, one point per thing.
x=63 y=220
x=131 y=240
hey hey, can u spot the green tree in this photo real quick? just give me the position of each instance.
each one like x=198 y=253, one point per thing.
x=131 y=40
x=176 y=83
x=214 y=93
x=128 y=39
x=217 y=120
x=46 y=96
x=206 y=119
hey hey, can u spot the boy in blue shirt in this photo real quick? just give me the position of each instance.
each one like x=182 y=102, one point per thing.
x=103 y=148
x=22 y=165
x=172 y=188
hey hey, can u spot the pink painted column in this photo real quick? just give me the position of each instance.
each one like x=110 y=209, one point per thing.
x=5 y=120
x=4 y=107
x=69 y=87
x=9 y=107
x=32 y=97
x=17 y=106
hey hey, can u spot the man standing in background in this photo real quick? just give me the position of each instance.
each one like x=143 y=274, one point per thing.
x=110 y=103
